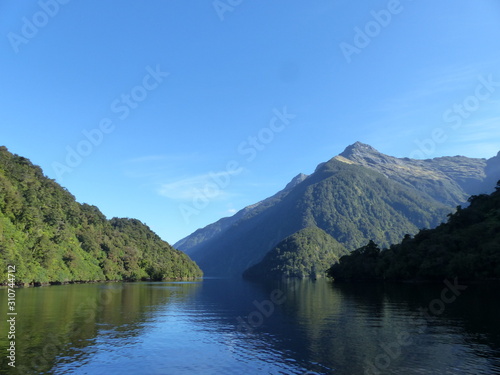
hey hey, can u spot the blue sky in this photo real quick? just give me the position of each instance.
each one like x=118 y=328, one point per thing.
x=181 y=112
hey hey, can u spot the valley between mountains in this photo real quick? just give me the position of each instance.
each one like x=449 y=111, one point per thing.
x=359 y=200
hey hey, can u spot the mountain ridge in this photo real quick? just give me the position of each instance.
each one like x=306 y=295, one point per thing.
x=210 y=231
x=409 y=195
x=51 y=238
x=450 y=179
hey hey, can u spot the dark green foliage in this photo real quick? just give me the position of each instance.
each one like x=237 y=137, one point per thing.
x=362 y=261
x=357 y=196
x=306 y=253
x=354 y=204
x=467 y=246
x=50 y=237
x=351 y=203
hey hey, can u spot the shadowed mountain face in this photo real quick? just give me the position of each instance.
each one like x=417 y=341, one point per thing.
x=492 y=174
x=212 y=230
x=357 y=196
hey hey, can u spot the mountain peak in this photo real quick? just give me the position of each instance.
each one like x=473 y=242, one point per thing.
x=358 y=148
x=295 y=181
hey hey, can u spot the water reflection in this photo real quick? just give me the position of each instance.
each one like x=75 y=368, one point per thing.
x=388 y=328
x=63 y=324
x=234 y=326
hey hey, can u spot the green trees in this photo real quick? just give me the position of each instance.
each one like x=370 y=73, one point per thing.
x=306 y=253
x=361 y=264
x=52 y=238
x=467 y=246
x=351 y=203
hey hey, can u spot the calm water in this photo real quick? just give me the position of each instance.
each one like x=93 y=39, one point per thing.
x=237 y=327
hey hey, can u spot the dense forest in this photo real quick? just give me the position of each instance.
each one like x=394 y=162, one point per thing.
x=357 y=196
x=351 y=203
x=466 y=246
x=50 y=237
x=307 y=253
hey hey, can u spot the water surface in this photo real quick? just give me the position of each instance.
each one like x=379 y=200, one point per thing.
x=236 y=327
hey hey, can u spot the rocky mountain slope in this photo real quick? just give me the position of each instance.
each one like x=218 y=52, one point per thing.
x=357 y=196
x=449 y=180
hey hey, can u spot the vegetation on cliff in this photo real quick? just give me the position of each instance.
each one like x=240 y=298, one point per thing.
x=467 y=246
x=307 y=253
x=49 y=237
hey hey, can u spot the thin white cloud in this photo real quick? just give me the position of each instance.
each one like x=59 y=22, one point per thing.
x=211 y=185
x=157 y=166
x=441 y=83
x=481 y=130
x=164 y=158
x=146 y=159
x=492 y=124
x=480 y=138
x=416 y=112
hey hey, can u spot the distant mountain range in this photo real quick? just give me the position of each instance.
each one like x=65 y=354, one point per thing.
x=357 y=196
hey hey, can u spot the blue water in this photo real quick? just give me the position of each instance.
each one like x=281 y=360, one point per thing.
x=236 y=327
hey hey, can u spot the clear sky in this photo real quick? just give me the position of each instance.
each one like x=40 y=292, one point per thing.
x=181 y=112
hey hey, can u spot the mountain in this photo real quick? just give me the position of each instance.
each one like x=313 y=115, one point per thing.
x=306 y=253
x=51 y=238
x=204 y=234
x=467 y=247
x=357 y=196
x=449 y=180
x=492 y=174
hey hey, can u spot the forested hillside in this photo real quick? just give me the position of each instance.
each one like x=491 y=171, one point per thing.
x=467 y=247
x=50 y=237
x=307 y=253
x=349 y=202
x=357 y=196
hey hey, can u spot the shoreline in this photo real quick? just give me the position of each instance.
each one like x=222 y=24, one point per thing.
x=55 y=283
